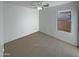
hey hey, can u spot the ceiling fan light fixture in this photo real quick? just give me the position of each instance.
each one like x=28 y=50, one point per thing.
x=40 y=5
x=39 y=8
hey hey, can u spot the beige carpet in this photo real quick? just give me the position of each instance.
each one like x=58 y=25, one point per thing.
x=40 y=45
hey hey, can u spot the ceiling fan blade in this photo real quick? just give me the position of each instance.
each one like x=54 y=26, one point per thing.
x=46 y=5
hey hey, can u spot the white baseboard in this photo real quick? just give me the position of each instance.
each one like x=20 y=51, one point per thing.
x=74 y=44
x=9 y=40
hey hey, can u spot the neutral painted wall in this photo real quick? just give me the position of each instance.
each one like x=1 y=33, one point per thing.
x=19 y=21
x=78 y=25
x=1 y=28
x=48 y=24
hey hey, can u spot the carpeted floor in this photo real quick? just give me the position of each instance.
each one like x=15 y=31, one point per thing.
x=40 y=45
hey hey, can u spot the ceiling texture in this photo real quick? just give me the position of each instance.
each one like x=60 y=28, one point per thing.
x=30 y=3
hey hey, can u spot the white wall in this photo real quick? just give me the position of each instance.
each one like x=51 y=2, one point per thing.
x=19 y=21
x=1 y=28
x=48 y=25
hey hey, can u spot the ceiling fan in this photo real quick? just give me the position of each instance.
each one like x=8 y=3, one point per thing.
x=40 y=5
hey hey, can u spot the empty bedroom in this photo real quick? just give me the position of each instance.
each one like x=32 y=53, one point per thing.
x=39 y=28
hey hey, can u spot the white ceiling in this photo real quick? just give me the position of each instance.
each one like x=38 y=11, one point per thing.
x=30 y=3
